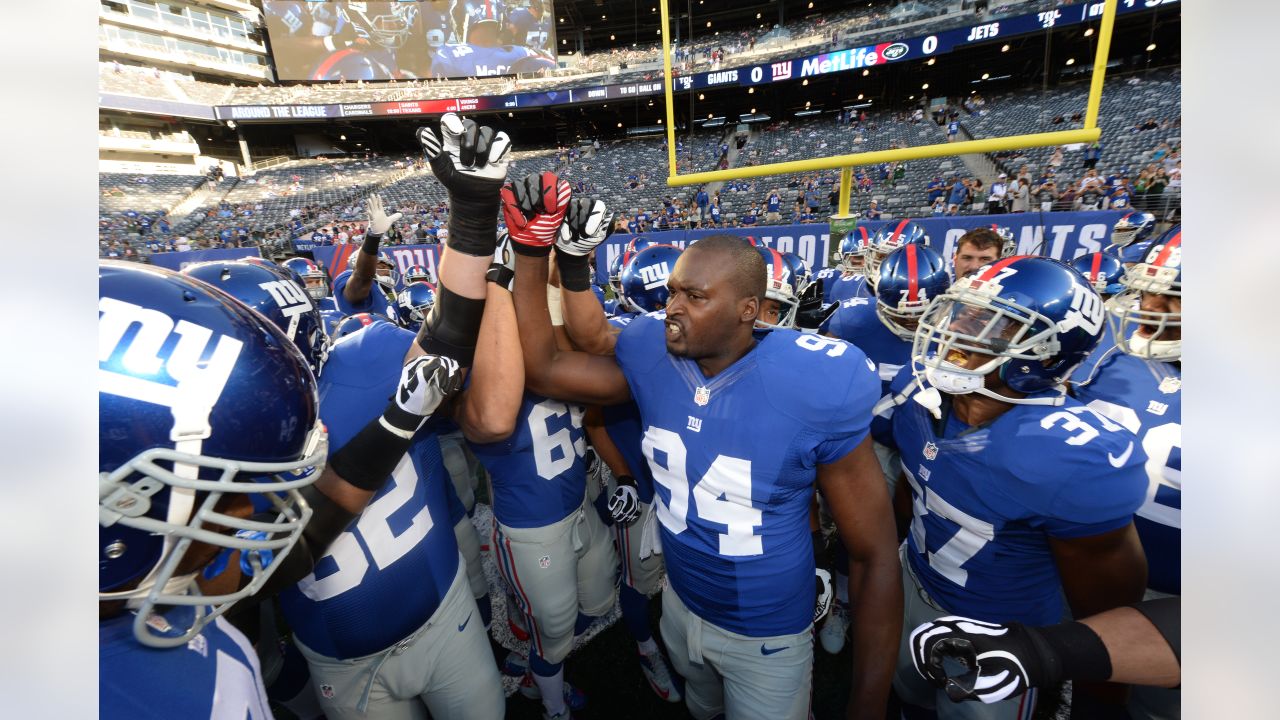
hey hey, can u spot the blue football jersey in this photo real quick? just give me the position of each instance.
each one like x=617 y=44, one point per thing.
x=538 y=475
x=987 y=499
x=479 y=61
x=734 y=461
x=385 y=576
x=1146 y=397
x=856 y=321
x=844 y=287
x=215 y=675
x=376 y=302
x=528 y=30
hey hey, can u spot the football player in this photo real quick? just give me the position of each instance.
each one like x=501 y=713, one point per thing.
x=207 y=495
x=909 y=278
x=1137 y=382
x=1018 y=495
x=785 y=281
x=363 y=286
x=388 y=622
x=616 y=434
x=551 y=547
x=892 y=236
x=414 y=303
x=976 y=248
x=733 y=507
x=314 y=278
x=530 y=26
x=482 y=55
x=848 y=279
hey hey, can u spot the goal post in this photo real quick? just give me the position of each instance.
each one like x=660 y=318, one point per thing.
x=1089 y=133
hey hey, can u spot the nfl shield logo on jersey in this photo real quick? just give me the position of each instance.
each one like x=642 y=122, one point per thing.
x=702 y=396
x=544 y=562
x=327 y=691
x=1170 y=385
x=930 y=451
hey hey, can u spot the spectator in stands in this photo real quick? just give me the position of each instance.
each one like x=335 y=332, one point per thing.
x=977 y=196
x=714 y=211
x=1092 y=154
x=953 y=129
x=998 y=198
x=702 y=200
x=936 y=188
x=773 y=206
x=811 y=199
x=939 y=207
x=1045 y=193
x=958 y=195
x=1021 y=195
x=1120 y=198
x=872 y=212
x=750 y=217
x=1055 y=160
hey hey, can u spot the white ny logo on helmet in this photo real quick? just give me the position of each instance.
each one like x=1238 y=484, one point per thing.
x=194 y=382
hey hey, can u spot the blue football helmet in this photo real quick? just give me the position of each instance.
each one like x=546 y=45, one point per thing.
x=804 y=276
x=314 y=279
x=1137 y=331
x=644 y=279
x=418 y=273
x=1101 y=271
x=629 y=251
x=389 y=280
x=1134 y=253
x=259 y=261
x=330 y=318
x=387 y=24
x=276 y=295
x=1008 y=245
x=1133 y=227
x=782 y=285
x=481 y=12
x=186 y=439
x=1035 y=317
x=352 y=323
x=889 y=238
x=910 y=277
x=413 y=303
x=854 y=248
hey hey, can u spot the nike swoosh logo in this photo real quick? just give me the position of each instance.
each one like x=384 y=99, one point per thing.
x=463 y=626
x=1117 y=462
x=769 y=651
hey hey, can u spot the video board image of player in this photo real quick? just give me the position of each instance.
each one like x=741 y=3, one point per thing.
x=493 y=37
x=335 y=41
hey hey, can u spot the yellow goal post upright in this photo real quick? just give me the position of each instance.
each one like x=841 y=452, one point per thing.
x=845 y=163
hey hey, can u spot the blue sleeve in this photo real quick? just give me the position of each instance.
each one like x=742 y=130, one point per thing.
x=1079 y=490
x=850 y=421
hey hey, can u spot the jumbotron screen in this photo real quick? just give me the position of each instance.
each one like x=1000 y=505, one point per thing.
x=333 y=41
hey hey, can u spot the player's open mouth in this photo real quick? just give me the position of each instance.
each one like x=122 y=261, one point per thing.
x=673 y=330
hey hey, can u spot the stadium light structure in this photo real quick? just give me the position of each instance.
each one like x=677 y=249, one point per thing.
x=1087 y=134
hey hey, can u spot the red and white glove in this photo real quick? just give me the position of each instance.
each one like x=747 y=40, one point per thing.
x=533 y=208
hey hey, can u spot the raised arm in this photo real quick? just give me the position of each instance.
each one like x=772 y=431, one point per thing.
x=361 y=281
x=534 y=208
x=587 y=224
x=487 y=410
x=471 y=162
x=858 y=499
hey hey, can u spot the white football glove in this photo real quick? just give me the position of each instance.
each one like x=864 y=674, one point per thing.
x=587 y=224
x=624 y=506
x=502 y=270
x=824 y=593
x=425 y=382
x=379 y=221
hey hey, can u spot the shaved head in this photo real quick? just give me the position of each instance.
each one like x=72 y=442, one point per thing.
x=747 y=270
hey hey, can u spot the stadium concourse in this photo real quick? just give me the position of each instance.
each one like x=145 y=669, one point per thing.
x=727 y=453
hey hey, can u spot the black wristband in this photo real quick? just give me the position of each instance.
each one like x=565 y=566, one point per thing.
x=538 y=251
x=1071 y=651
x=370 y=246
x=575 y=271
x=622 y=480
x=452 y=326
x=368 y=459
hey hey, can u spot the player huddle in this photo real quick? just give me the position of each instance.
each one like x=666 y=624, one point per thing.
x=996 y=436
